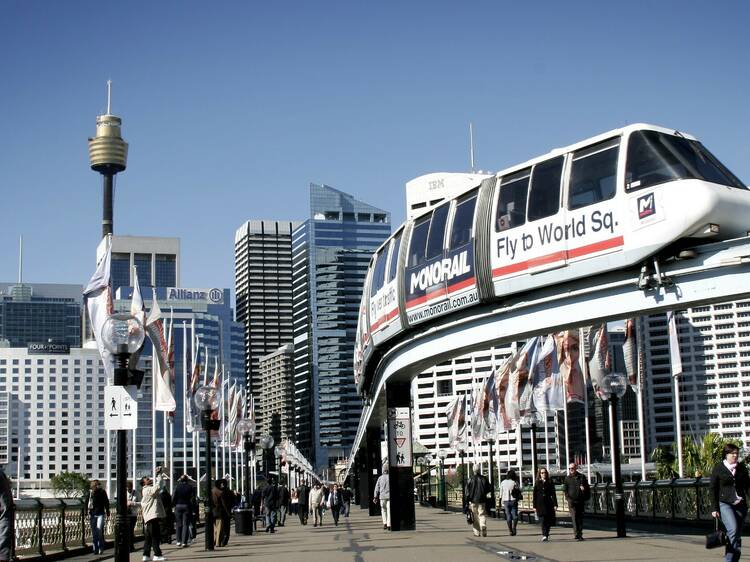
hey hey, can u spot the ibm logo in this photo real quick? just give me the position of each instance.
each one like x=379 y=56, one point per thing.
x=646 y=206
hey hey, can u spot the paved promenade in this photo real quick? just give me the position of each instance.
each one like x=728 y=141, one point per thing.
x=440 y=537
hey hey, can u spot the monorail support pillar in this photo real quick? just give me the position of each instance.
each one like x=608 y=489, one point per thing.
x=373 y=466
x=401 y=471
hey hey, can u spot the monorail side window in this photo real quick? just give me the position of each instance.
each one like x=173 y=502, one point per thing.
x=378 y=273
x=418 y=242
x=593 y=174
x=463 y=221
x=394 y=258
x=437 y=232
x=544 y=196
x=511 y=206
x=655 y=158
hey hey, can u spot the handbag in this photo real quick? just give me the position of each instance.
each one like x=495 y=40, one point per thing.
x=717 y=538
x=469 y=518
x=516 y=493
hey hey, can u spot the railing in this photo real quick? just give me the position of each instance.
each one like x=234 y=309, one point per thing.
x=45 y=527
x=655 y=500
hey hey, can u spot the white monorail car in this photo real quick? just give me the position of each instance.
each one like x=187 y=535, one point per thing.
x=605 y=203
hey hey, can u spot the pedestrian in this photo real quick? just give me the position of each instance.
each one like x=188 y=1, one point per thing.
x=284 y=498
x=303 y=497
x=346 y=498
x=222 y=510
x=152 y=510
x=167 y=524
x=317 y=500
x=335 y=503
x=293 y=502
x=98 y=505
x=510 y=493
x=229 y=500
x=7 y=508
x=184 y=496
x=257 y=502
x=730 y=484
x=271 y=499
x=545 y=502
x=382 y=495
x=133 y=506
x=477 y=490
x=577 y=493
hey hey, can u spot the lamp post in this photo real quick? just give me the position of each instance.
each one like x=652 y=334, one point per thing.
x=532 y=419
x=420 y=462
x=428 y=462
x=461 y=448
x=442 y=454
x=207 y=399
x=246 y=427
x=266 y=443
x=279 y=452
x=614 y=387
x=122 y=335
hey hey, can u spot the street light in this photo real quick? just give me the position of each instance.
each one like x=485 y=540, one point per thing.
x=428 y=461
x=246 y=428
x=279 y=452
x=122 y=335
x=206 y=399
x=266 y=443
x=532 y=419
x=461 y=448
x=614 y=387
x=442 y=454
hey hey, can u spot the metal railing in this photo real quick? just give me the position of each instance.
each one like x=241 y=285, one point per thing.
x=655 y=500
x=53 y=526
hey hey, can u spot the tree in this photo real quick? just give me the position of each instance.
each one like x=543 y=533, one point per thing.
x=699 y=456
x=70 y=485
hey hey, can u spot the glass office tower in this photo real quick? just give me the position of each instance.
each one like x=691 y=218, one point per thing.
x=330 y=254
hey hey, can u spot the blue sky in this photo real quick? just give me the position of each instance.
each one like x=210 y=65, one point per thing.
x=232 y=109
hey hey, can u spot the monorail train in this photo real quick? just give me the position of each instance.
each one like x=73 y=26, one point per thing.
x=602 y=204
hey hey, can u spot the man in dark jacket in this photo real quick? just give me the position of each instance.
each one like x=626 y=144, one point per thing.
x=98 y=508
x=222 y=509
x=577 y=493
x=284 y=498
x=346 y=498
x=303 y=494
x=183 y=499
x=271 y=498
x=476 y=495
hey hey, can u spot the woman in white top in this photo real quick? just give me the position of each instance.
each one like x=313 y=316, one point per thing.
x=510 y=493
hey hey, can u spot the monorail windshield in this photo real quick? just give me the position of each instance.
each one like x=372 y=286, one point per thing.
x=655 y=158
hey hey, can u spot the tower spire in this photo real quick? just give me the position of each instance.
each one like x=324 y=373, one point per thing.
x=109 y=97
x=471 y=145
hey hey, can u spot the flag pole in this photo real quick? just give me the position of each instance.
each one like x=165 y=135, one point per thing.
x=640 y=365
x=567 y=447
x=676 y=363
x=585 y=369
x=184 y=397
x=546 y=439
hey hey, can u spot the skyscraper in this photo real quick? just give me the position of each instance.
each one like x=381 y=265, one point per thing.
x=330 y=254
x=40 y=313
x=263 y=285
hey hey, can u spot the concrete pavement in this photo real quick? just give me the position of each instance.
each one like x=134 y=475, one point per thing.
x=440 y=537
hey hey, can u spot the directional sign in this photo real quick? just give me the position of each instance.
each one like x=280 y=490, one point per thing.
x=399 y=437
x=120 y=407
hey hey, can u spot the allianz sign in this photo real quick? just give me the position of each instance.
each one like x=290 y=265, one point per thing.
x=213 y=296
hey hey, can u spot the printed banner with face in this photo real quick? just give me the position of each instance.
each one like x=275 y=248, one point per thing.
x=568 y=350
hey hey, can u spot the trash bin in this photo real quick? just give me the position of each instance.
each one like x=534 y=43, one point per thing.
x=432 y=500
x=243 y=521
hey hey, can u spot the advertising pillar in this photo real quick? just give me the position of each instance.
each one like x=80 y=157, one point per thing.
x=401 y=472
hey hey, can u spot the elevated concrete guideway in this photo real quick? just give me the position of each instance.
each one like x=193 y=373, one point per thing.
x=718 y=272
x=441 y=537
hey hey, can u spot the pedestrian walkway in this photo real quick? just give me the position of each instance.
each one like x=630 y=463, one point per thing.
x=440 y=537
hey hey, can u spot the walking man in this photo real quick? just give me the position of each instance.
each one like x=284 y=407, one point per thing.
x=382 y=495
x=284 y=498
x=184 y=496
x=270 y=505
x=476 y=494
x=346 y=498
x=335 y=503
x=577 y=493
x=303 y=495
x=98 y=509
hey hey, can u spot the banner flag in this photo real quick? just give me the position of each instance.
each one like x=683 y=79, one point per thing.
x=98 y=299
x=568 y=350
x=549 y=387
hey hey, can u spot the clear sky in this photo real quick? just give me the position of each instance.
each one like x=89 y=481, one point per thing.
x=231 y=109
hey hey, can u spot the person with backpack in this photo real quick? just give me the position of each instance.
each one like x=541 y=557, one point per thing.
x=477 y=490
x=577 y=493
x=510 y=493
